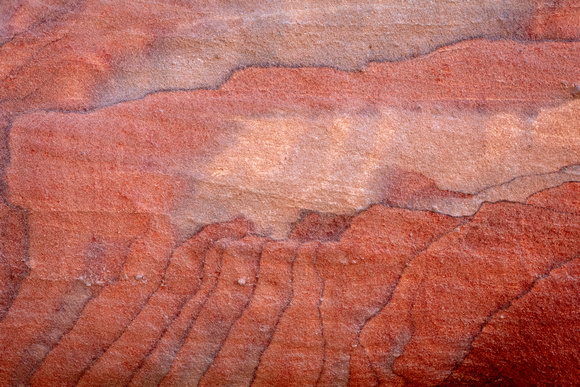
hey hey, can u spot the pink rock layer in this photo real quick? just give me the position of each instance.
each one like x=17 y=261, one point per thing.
x=99 y=287
x=195 y=154
x=396 y=297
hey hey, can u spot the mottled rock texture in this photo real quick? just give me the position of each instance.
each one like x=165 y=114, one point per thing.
x=289 y=192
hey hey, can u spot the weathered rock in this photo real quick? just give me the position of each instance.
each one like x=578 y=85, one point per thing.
x=207 y=156
x=289 y=193
x=531 y=341
x=450 y=291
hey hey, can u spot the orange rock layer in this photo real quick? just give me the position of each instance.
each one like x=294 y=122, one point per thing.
x=168 y=152
x=398 y=297
x=105 y=280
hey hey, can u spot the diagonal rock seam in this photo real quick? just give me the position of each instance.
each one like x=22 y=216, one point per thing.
x=95 y=106
x=396 y=284
x=489 y=317
x=506 y=306
x=115 y=280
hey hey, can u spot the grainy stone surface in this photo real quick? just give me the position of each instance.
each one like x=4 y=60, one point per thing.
x=289 y=193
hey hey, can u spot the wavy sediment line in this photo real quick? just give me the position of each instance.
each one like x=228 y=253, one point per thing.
x=196 y=45
x=518 y=94
x=251 y=334
x=280 y=77
x=181 y=281
x=118 y=304
x=517 y=190
x=540 y=277
x=329 y=150
x=158 y=362
x=178 y=47
x=437 y=333
x=223 y=309
x=331 y=267
x=14 y=258
x=554 y=297
x=55 y=304
x=297 y=341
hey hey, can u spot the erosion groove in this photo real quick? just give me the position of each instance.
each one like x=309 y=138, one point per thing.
x=505 y=307
x=386 y=255
x=289 y=193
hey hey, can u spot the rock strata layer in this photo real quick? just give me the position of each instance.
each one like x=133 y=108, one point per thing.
x=289 y=193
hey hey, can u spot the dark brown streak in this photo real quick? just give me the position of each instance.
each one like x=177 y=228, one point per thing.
x=94 y=294
x=560 y=170
x=320 y=314
x=39 y=23
x=15 y=283
x=97 y=293
x=24 y=214
x=240 y=315
x=194 y=318
x=420 y=287
x=30 y=59
x=13 y=289
x=238 y=68
x=96 y=358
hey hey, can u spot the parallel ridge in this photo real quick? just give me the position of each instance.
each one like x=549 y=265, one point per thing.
x=400 y=296
x=389 y=296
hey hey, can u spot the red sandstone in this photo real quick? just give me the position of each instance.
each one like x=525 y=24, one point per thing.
x=96 y=288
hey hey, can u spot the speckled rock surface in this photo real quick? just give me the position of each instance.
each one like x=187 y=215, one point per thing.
x=289 y=193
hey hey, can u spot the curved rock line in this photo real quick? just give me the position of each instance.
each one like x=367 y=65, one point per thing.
x=343 y=141
x=305 y=153
x=373 y=238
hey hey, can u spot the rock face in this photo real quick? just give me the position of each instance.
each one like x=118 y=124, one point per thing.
x=289 y=193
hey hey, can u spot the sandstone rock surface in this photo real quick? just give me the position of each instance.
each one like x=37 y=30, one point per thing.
x=289 y=193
